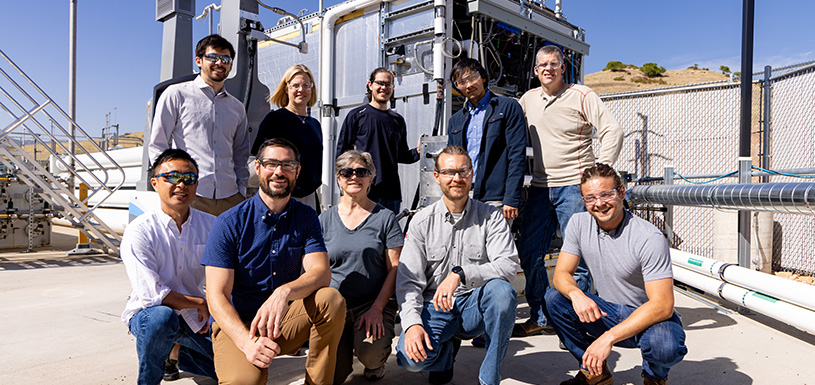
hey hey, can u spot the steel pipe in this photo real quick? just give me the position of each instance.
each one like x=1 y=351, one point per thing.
x=791 y=198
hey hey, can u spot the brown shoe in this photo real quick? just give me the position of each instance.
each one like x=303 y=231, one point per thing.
x=530 y=328
x=651 y=381
x=585 y=378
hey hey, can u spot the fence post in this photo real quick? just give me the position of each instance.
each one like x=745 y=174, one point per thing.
x=669 y=209
x=766 y=122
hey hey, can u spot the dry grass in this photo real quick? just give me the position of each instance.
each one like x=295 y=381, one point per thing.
x=630 y=79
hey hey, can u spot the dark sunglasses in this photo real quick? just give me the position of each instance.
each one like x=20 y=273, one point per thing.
x=189 y=178
x=359 y=172
x=213 y=58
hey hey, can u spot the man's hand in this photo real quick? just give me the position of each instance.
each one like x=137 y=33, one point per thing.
x=270 y=315
x=443 y=299
x=596 y=353
x=586 y=309
x=203 y=316
x=372 y=321
x=260 y=351
x=510 y=212
x=415 y=341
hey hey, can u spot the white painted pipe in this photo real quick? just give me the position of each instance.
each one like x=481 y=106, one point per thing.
x=125 y=157
x=326 y=86
x=787 y=290
x=438 y=41
x=794 y=315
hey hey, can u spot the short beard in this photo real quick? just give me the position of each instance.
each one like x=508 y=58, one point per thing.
x=276 y=194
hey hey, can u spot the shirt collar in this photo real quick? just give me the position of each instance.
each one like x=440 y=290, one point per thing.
x=481 y=105
x=449 y=216
x=200 y=83
x=169 y=222
x=262 y=211
x=557 y=94
x=616 y=231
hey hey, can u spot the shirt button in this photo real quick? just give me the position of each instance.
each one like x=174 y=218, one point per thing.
x=274 y=273
x=273 y=251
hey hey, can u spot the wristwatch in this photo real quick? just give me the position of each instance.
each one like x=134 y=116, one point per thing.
x=458 y=270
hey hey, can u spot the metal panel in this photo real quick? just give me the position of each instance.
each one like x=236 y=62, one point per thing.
x=550 y=30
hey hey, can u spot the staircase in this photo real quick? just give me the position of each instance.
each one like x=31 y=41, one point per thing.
x=37 y=119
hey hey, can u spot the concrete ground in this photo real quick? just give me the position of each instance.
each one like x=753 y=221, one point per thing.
x=60 y=324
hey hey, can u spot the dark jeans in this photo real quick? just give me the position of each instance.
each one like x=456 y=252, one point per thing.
x=545 y=208
x=156 y=330
x=488 y=310
x=662 y=344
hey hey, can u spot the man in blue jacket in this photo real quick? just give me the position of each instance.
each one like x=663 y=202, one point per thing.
x=493 y=131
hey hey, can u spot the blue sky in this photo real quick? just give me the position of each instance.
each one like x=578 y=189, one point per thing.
x=119 y=43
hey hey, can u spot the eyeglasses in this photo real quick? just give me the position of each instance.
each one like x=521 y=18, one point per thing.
x=383 y=83
x=300 y=86
x=359 y=172
x=552 y=65
x=466 y=80
x=605 y=196
x=463 y=172
x=213 y=58
x=271 y=164
x=189 y=178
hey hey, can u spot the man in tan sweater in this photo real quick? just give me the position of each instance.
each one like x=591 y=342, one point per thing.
x=562 y=119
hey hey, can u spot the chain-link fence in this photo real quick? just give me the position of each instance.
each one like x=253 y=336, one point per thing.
x=695 y=129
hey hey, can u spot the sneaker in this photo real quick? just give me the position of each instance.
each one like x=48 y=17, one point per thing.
x=530 y=328
x=374 y=374
x=445 y=376
x=583 y=377
x=479 y=341
x=171 y=370
x=651 y=381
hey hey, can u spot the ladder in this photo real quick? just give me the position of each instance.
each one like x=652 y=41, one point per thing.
x=28 y=107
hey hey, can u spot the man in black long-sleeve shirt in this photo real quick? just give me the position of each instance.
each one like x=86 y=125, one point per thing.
x=382 y=132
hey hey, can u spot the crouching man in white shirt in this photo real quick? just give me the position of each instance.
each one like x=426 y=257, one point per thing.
x=162 y=253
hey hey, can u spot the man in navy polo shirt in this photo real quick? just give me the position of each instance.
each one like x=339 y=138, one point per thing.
x=262 y=305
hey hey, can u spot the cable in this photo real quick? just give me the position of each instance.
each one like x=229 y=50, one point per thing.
x=707 y=181
x=783 y=173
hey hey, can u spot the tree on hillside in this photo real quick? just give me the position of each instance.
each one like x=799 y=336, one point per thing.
x=652 y=69
x=615 y=66
x=725 y=69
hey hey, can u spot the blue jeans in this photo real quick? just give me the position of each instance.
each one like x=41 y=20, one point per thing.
x=156 y=330
x=488 y=310
x=390 y=204
x=662 y=344
x=545 y=208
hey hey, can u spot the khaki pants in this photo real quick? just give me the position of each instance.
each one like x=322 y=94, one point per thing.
x=318 y=318
x=216 y=206
x=372 y=354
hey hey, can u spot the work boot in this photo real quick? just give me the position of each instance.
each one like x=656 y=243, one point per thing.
x=374 y=374
x=530 y=328
x=444 y=376
x=585 y=378
x=651 y=381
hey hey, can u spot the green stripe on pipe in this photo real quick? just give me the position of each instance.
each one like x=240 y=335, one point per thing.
x=694 y=261
x=765 y=297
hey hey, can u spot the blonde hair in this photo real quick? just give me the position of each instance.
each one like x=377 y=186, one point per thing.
x=280 y=96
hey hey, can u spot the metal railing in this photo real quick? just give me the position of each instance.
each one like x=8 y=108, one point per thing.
x=34 y=113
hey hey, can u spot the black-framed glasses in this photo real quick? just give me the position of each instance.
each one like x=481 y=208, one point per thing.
x=214 y=57
x=466 y=80
x=359 y=172
x=189 y=178
x=271 y=164
x=463 y=172
x=383 y=83
x=605 y=196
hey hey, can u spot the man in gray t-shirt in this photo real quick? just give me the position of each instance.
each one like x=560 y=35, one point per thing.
x=630 y=264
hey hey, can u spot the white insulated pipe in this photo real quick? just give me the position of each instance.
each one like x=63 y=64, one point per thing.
x=439 y=24
x=794 y=315
x=326 y=86
x=784 y=289
x=558 y=9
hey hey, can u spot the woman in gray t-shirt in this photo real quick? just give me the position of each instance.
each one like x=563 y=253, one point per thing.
x=363 y=240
